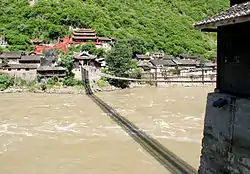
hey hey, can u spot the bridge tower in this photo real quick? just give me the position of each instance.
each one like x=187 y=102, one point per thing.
x=226 y=139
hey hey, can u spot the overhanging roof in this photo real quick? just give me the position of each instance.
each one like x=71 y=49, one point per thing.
x=238 y=13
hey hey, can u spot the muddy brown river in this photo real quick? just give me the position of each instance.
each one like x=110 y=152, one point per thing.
x=61 y=134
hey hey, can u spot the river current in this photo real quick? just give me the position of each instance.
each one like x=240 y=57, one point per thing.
x=52 y=133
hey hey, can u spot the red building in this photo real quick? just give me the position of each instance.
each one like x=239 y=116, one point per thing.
x=79 y=37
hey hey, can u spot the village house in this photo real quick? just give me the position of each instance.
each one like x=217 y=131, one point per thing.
x=186 y=56
x=27 y=67
x=24 y=71
x=12 y=57
x=12 y=64
x=49 y=67
x=158 y=55
x=84 y=58
x=161 y=65
x=30 y=59
x=232 y=27
x=142 y=57
x=185 y=64
x=146 y=66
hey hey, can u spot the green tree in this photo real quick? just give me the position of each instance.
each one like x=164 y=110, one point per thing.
x=99 y=52
x=67 y=61
x=90 y=47
x=139 y=45
x=163 y=24
x=120 y=63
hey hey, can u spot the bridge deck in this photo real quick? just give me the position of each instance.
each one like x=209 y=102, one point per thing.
x=169 y=160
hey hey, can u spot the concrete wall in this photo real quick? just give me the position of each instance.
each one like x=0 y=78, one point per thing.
x=13 y=61
x=26 y=75
x=226 y=141
x=78 y=73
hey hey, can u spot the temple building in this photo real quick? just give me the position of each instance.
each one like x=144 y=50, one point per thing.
x=84 y=35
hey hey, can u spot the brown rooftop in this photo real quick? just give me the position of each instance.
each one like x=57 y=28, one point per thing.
x=11 y=55
x=30 y=58
x=104 y=39
x=142 y=56
x=20 y=66
x=161 y=62
x=85 y=30
x=75 y=37
x=84 y=34
x=236 y=14
x=50 y=68
x=185 y=62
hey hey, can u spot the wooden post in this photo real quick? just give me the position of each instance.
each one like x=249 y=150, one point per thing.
x=202 y=70
x=156 y=77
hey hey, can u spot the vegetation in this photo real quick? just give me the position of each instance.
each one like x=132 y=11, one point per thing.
x=120 y=63
x=89 y=47
x=102 y=82
x=67 y=61
x=154 y=25
x=6 y=81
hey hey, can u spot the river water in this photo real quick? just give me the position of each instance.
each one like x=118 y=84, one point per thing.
x=52 y=134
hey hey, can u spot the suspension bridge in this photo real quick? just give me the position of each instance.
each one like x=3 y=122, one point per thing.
x=167 y=80
x=165 y=157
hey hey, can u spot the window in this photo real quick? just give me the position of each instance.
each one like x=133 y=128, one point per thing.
x=9 y=69
x=18 y=69
x=27 y=69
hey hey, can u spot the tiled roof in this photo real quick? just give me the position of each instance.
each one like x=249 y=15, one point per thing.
x=143 y=64
x=142 y=56
x=84 y=34
x=235 y=14
x=184 y=62
x=11 y=55
x=163 y=62
x=83 y=55
x=186 y=56
x=168 y=57
x=104 y=39
x=50 y=68
x=21 y=66
x=30 y=58
x=78 y=37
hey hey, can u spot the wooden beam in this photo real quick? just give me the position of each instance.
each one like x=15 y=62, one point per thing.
x=225 y=22
x=209 y=30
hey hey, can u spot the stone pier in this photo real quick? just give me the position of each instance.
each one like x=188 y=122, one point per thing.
x=226 y=140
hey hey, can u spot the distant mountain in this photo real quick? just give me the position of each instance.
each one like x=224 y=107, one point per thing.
x=157 y=24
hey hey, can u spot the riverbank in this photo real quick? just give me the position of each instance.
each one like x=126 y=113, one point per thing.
x=97 y=89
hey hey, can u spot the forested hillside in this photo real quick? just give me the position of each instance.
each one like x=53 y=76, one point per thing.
x=165 y=25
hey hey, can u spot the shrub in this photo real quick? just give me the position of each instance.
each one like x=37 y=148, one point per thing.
x=6 y=81
x=72 y=82
x=102 y=82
